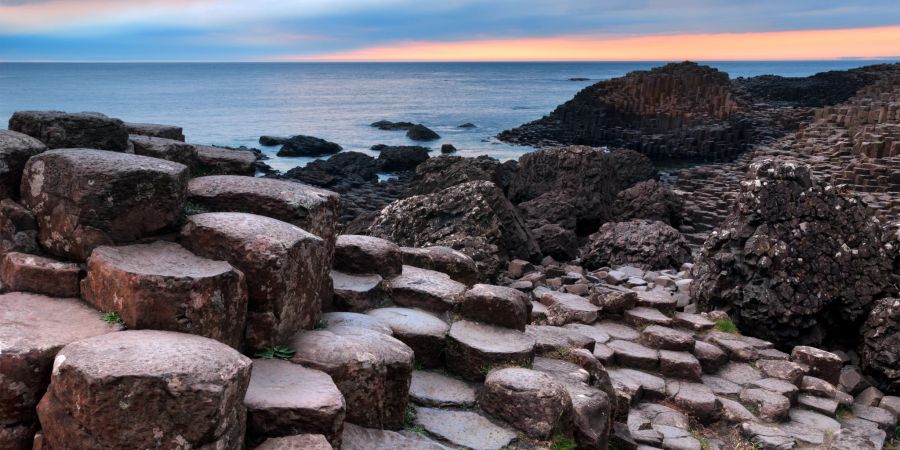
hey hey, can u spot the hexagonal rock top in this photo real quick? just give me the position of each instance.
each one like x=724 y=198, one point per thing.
x=31 y=273
x=565 y=308
x=358 y=293
x=15 y=149
x=162 y=148
x=531 y=401
x=225 y=161
x=366 y=254
x=497 y=305
x=33 y=328
x=286 y=399
x=457 y=264
x=200 y=378
x=283 y=273
x=426 y=289
x=162 y=286
x=421 y=331
x=83 y=198
x=58 y=129
x=464 y=428
x=474 y=348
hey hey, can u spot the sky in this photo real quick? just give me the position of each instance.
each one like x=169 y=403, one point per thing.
x=446 y=30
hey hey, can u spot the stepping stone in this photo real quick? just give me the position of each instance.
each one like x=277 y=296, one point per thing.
x=33 y=328
x=641 y=316
x=284 y=399
x=529 y=400
x=371 y=369
x=870 y=396
x=424 y=333
x=822 y=364
x=474 y=348
x=890 y=403
x=631 y=354
x=225 y=161
x=83 y=198
x=858 y=439
x=590 y=331
x=604 y=354
x=162 y=148
x=63 y=130
x=591 y=415
x=679 y=365
x=652 y=387
x=162 y=286
x=496 y=305
x=359 y=438
x=15 y=149
x=464 y=428
x=817 y=386
x=678 y=438
x=822 y=405
x=740 y=373
x=767 y=436
x=618 y=331
x=649 y=415
x=737 y=350
x=784 y=370
x=366 y=254
x=772 y=407
x=613 y=299
x=662 y=301
x=563 y=371
x=283 y=288
x=771 y=353
x=30 y=273
x=665 y=338
x=426 y=289
x=200 y=377
x=435 y=389
x=721 y=386
x=538 y=313
x=694 y=322
x=457 y=264
x=711 y=358
x=155 y=130
x=550 y=339
x=734 y=412
x=881 y=417
x=809 y=427
x=359 y=320
x=296 y=442
x=777 y=386
x=694 y=398
x=357 y=293
x=565 y=308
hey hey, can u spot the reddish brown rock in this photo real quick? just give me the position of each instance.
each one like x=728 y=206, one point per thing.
x=496 y=305
x=83 y=199
x=18 y=229
x=162 y=286
x=474 y=348
x=58 y=129
x=15 y=149
x=422 y=332
x=297 y=442
x=162 y=148
x=285 y=399
x=529 y=400
x=357 y=293
x=426 y=289
x=282 y=272
x=146 y=389
x=225 y=161
x=40 y=275
x=367 y=254
x=442 y=259
x=33 y=328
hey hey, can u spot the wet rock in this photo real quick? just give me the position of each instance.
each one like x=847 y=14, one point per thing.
x=301 y=145
x=86 y=198
x=15 y=149
x=57 y=129
x=650 y=200
x=341 y=171
x=531 y=401
x=225 y=161
x=448 y=148
x=40 y=275
x=357 y=293
x=401 y=157
x=168 y=149
x=426 y=289
x=565 y=308
x=435 y=389
x=201 y=378
x=421 y=331
x=367 y=254
x=467 y=125
x=419 y=132
x=464 y=428
x=474 y=348
x=496 y=305
x=284 y=277
x=880 y=349
x=649 y=245
x=390 y=126
x=822 y=364
x=442 y=259
x=155 y=130
x=285 y=399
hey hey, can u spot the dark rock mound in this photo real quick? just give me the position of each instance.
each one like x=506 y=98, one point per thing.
x=642 y=243
x=556 y=241
x=420 y=132
x=650 y=200
x=797 y=262
x=58 y=129
x=448 y=148
x=821 y=89
x=308 y=146
x=402 y=157
x=271 y=141
x=467 y=125
x=442 y=172
x=880 y=350
x=387 y=125
x=344 y=169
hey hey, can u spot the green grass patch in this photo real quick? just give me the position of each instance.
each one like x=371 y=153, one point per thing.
x=562 y=442
x=726 y=326
x=192 y=208
x=278 y=352
x=409 y=418
x=321 y=324
x=111 y=318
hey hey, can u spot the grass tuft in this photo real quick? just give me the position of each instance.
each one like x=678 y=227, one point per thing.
x=562 y=442
x=726 y=326
x=111 y=318
x=278 y=352
x=321 y=324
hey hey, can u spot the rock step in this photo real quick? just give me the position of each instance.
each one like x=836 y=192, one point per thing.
x=41 y=275
x=426 y=289
x=473 y=349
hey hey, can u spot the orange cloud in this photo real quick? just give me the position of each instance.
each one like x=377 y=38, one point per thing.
x=872 y=42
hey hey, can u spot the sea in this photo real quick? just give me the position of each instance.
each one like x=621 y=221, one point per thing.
x=232 y=104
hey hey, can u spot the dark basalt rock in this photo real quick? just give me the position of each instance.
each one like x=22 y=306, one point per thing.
x=650 y=200
x=821 y=89
x=442 y=172
x=420 y=132
x=343 y=169
x=271 y=141
x=880 y=349
x=642 y=243
x=448 y=148
x=308 y=146
x=403 y=157
x=556 y=241
x=467 y=125
x=797 y=262
x=58 y=129
x=387 y=125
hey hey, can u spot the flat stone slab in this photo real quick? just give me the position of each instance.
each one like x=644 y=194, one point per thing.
x=822 y=364
x=694 y=322
x=496 y=305
x=721 y=386
x=652 y=386
x=740 y=373
x=695 y=398
x=772 y=407
x=784 y=370
x=642 y=316
x=563 y=308
x=155 y=130
x=455 y=263
x=59 y=129
x=296 y=442
x=435 y=389
x=420 y=330
x=22 y=272
x=357 y=293
x=359 y=320
x=662 y=301
x=617 y=330
x=367 y=254
x=359 y=438
x=163 y=148
x=426 y=289
x=711 y=357
x=225 y=161
x=285 y=399
x=664 y=338
x=679 y=365
x=591 y=331
x=464 y=428
x=557 y=339
x=474 y=348
x=634 y=355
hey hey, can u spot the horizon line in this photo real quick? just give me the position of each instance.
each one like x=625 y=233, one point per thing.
x=450 y=61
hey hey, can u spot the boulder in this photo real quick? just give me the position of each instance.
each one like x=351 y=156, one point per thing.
x=474 y=218
x=40 y=275
x=650 y=200
x=283 y=272
x=155 y=130
x=880 y=348
x=161 y=383
x=424 y=333
x=224 y=161
x=84 y=198
x=474 y=348
x=426 y=289
x=796 y=261
x=556 y=241
x=57 y=129
x=442 y=259
x=301 y=145
x=448 y=148
x=642 y=243
x=437 y=174
x=18 y=229
x=496 y=305
x=529 y=400
x=162 y=286
x=400 y=158
x=15 y=149
x=162 y=148
x=285 y=399
x=366 y=254
x=419 y=132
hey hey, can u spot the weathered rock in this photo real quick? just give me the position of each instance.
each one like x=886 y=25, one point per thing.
x=442 y=172
x=18 y=229
x=473 y=349
x=435 y=389
x=199 y=376
x=442 y=259
x=15 y=149
x=785 y=388
x=591 y=331
x=591 y=411
x=367 y=254
x=783 y=370
x=40 y=275
x=400 y=158
x=642 y=316
x=225 y=161
x=285 y=399
x=711 y=358
x=565 y=308
x=284 y=277
x=496 y=305
x=63 y=130
x=419 y=132
x=162 y=148
x=650 y=200
x=155 y=130
x=390 y=126
x=880 y=348
x=618 y=330
x=613 y=299
x=556 y=241
x=660 y=337
x=649 y=245
x=651 y=387
x=297 y=442
x=474 y=218
x=371 y=369
x=679 y=365
x=333 y=320
x=421 y=331
x=448 y=148
x=771 y=405
x=780 y=229
x=84 y=198
x=301 y=145
x=464 y=428
x=359 y=438
x=357 y=293
x=342 y=169
x=822 y=364
x=559 y=340
x=426 y=289
x=634 y=355
x=695 y=398
x=881 y=417
x=531 y=401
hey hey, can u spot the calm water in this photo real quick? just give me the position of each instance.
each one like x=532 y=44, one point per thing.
x=233 y=104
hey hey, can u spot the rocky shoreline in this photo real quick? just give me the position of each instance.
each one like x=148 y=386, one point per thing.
x=157 y=294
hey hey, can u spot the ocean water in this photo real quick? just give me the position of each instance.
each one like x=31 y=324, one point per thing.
x=234 y=103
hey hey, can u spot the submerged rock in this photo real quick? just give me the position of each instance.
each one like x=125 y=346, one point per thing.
x=390 y=126
x=420 y=132
x=403 y=157
x=301 y=145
